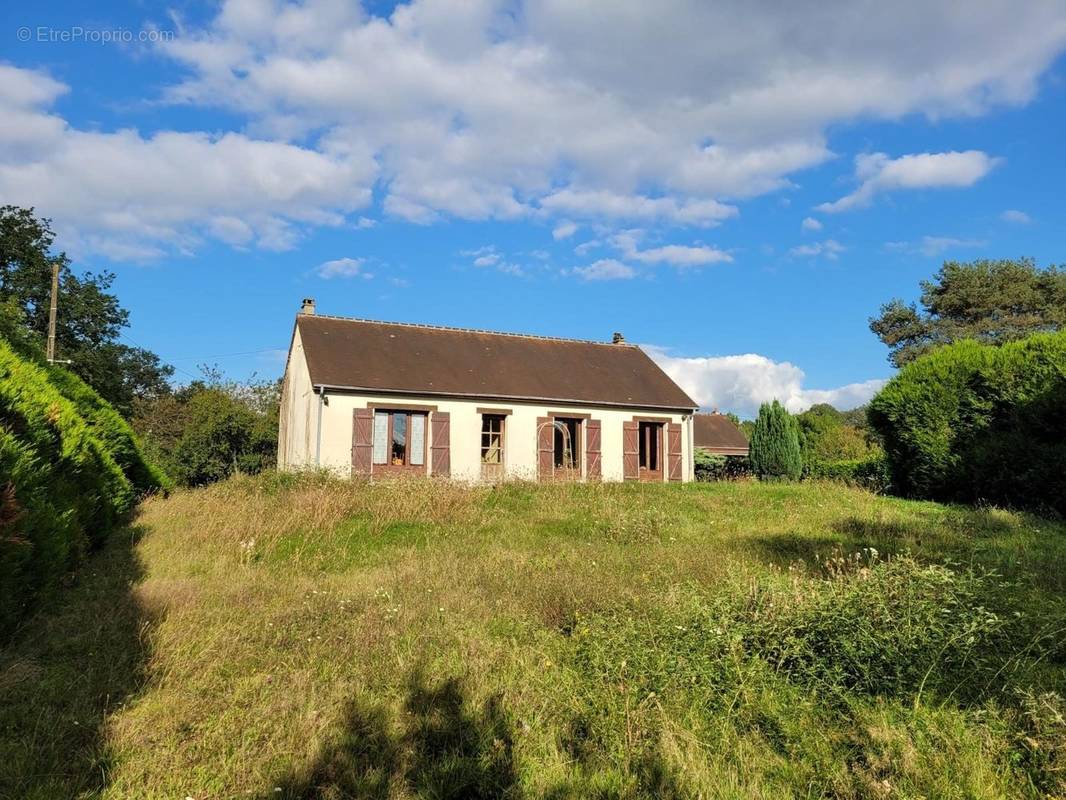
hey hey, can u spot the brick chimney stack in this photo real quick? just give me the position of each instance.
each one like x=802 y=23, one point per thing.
x=308 y=306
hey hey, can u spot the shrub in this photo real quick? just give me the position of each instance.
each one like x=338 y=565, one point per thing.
x=868 y=473
x=716 y=467
x=775 y=444
x=112 y=430
x=223 y=435
x=980 y=423
x=64 y=491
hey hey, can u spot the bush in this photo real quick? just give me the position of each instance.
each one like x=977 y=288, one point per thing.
x=868 y=473
x=224 y=435
x=775 y=444
x=980 y=423
x=63 y=489
x=112 y=430
x=716 y=467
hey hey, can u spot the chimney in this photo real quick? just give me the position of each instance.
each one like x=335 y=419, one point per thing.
x=618 y=338
x=308 y=306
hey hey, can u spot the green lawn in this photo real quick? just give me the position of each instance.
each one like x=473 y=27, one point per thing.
x=276 y=637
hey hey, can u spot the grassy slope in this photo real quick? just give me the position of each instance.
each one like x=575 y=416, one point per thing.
x=277 y=638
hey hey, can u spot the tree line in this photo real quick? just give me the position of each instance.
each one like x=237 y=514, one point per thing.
x=199 y=432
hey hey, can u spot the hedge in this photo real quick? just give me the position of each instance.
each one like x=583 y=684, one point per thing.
x=980 y=423
x=62 y=484
x=870 y=473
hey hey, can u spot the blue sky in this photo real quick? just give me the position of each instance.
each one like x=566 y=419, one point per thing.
x=738 y=190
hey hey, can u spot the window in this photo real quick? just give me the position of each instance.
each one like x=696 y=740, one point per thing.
x=648 y=444
x=400 y=439
x=492 y=439
x=567 y=443
x=492 y=426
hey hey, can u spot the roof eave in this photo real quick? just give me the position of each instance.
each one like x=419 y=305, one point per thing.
x=508 y=397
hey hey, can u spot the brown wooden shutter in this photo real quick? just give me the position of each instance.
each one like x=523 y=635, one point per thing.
x=362 y=441
x=630 y=450
x=545 y=448
x=593 y=470
x=442 y=444
x=673 y=449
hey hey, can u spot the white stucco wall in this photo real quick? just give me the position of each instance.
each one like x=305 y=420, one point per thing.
x=520 y=440
x=298 y=415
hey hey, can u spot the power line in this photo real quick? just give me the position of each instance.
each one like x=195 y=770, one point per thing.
x=227 y=355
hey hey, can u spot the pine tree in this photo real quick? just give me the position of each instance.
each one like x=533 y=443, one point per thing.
x=775 y=444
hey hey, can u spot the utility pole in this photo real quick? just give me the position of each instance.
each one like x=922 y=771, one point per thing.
x=51 y=351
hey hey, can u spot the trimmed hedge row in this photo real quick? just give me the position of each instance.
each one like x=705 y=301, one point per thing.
x=980 y=423
x=66 y=480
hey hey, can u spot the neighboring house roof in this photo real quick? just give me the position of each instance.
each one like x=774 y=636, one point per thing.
x=716 y=433
x=361 y=354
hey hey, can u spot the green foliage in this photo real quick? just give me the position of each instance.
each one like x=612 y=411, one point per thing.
x=716 y=467
x=816 y=645
x=90 y=317
x=775 y=444
x=227 y=429
x=979 y=423
x=827 y=435
x=870 y=473
x=64 y=487
x=990 y=301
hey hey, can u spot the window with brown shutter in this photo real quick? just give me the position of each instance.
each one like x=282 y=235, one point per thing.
x=399 y=442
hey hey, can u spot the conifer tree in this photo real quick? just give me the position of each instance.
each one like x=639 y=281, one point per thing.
x=775 y=444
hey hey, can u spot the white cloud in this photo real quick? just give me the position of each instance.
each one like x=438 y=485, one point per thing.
x=932 y=246
x=830 y=248
x=612 y=205
x=564 y=230
x=134 y=197
x=490 y=256
x=343 y=268
x=606 y=269
x=741 y=383
x=810 y=224
x=627 y=242
x=1015 y=216
x=487 y=110
x=879 y=173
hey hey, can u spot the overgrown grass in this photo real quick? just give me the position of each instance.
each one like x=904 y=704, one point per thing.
x=306 y=637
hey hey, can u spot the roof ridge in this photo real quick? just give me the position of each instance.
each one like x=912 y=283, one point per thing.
x=427 y=326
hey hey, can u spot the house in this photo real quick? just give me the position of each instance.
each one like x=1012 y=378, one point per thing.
x=717 y=433
x=383 y=398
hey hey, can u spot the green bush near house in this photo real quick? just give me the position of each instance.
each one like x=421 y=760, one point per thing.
x=775 y=452
x=980 y=423
x=716 y=467
x=224 y=434
x=70 y=471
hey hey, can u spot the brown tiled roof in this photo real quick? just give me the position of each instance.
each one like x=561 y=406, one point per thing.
x=423 y=359
x=717 y=433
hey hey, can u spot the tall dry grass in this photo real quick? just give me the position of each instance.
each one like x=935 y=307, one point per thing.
x=312 y=637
